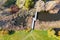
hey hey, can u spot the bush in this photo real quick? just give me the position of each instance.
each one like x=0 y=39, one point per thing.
x=11 y=32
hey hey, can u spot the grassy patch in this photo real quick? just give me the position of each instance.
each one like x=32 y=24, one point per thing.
x=22 y=35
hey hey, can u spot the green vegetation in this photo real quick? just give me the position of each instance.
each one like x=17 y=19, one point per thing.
x=9 y=3
x=19 y=3
x=23 y=35
x=29 y=4
x=44 y=0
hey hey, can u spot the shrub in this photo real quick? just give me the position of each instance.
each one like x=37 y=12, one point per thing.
x=28 y=4
x=11 y=32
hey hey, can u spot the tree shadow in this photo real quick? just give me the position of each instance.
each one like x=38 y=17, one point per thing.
x=45 y=16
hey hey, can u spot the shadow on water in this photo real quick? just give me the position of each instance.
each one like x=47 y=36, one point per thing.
x=45 y=16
